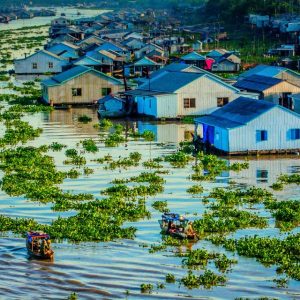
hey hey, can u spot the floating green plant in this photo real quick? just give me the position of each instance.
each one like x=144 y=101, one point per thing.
x=89 y=145
x=84 y=119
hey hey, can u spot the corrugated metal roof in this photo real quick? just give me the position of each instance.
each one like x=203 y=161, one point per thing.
x=71 y=73
x=170 y=81
x=257 y=83
x=145 y=61
x=237 y=113
x=110 y=46
x=193 y=56
x=87 y=61
x=58 y=48
x=75 y=72
x=264 y=70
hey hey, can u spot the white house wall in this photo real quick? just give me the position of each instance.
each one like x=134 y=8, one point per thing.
x=24 y=66
x=277 y=122
x=205 y=91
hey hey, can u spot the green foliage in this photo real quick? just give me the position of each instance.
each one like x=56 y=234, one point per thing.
x=195 y=189
x=55 y=146
x=223 y=263
x=71 y=152
x=113 y=140
x=148 y=136
x=236 y=10
x=198 y=258
x=161 y=206
x=272 y=251
x=207 y=280
x=170 y=278
x=84 y=119
x=147 y=288
x=90 y=146
x=178 y=159
x=106 y=123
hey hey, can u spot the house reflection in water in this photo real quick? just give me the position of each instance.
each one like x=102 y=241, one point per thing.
x=68 y=119
x=264 y=171
x=167 y=132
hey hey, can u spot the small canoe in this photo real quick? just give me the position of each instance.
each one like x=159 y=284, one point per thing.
x=38 y=245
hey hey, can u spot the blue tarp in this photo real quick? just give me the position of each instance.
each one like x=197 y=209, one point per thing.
x=208 y=134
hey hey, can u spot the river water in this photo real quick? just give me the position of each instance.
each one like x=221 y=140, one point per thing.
x=70 y=13
x=107 y=270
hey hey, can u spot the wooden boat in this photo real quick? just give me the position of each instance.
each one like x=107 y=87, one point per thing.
x=38 y=245
x=174 y=225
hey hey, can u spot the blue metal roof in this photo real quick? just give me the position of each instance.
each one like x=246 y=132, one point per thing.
x=257 y=83
x=264 y=70
x=59 y=48
x=109 y=46
x=71 y=73
x=75 y=72
x=145 y=61
x=170 y=81
x=87 y=61
x=193 y=56
x=237 y=113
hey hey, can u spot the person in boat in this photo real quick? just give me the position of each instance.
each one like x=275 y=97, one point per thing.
x=43 y=247
x=190 y=230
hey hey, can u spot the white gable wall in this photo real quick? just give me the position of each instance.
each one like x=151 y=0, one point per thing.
x=278 y=122
x=24 y=66
x=205 y=91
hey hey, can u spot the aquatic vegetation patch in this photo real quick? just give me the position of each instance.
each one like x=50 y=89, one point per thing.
x=161 y=206
x=147 y=288
x=170 y=278
x=113 y=140
x=77 y=160
x=178 y=159
x=84 y=119
x=106 y=124
x=198 y=258
x=18 y=131
x=151 y=164
x=227 y=221
x=131 y=161
x=195 y=189
x=90 y=146
x=55 y=146
x=207 y=280
x=148 y=136
x=286 y=213
x=224 y=264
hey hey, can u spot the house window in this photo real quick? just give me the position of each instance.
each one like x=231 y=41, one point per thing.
x=261 y=135
x=76 y=92
x=50 y=65
x=34 y=65
x=222 y=101
x=295 y=133
x=106 y=91
x=189 y=102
